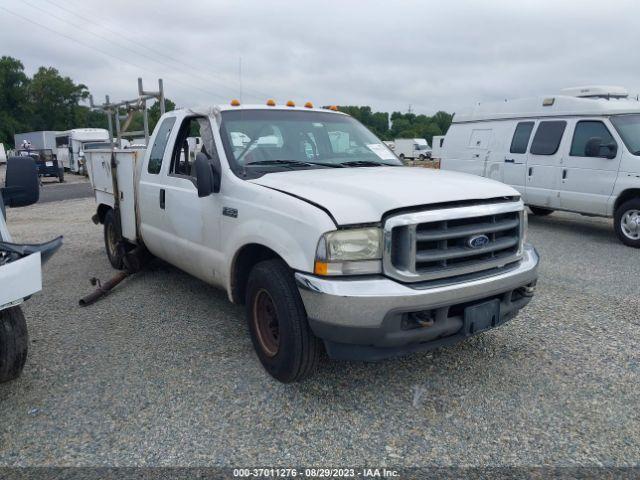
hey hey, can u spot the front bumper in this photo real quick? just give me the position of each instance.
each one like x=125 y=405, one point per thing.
x=374 y=318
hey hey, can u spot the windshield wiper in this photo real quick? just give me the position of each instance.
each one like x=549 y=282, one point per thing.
x=292 y=163
x=365 y=163
x=279 y=162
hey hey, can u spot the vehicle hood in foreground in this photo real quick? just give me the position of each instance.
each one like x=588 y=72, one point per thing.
x=364 y=194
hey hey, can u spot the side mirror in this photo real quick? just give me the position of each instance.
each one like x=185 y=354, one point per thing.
x=592 y=148
x=207 y=176
x=21 y=184
x=613 y=150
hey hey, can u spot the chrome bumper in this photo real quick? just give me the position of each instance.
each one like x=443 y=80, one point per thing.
x=365 y=303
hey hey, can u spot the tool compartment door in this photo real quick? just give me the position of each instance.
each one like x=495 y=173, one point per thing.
x=125 y=168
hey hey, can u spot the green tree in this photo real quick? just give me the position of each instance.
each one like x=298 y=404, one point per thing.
x=55 y=100
x=14 y=111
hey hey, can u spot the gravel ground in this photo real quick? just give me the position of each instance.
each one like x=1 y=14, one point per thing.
x=162 y=372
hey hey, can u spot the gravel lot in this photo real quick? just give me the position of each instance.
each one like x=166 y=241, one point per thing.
x=162 y=372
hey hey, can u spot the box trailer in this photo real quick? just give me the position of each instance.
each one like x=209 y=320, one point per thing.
x=43 y=140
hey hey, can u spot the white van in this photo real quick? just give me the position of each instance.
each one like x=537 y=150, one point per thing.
x=436 y=146
x=70 y=146
x=412 y=148
x=578 y=151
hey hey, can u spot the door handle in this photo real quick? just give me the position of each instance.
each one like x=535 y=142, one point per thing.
x=564 y=173
x=162 y=198
x=530 y=171
x=509 y=160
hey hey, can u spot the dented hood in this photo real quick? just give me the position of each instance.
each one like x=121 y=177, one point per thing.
x=364 y=194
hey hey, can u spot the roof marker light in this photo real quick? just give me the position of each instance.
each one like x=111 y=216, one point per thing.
x=547 y=102
x=291 y=103
x=308 y=105
x=271 y=102
x=235 y=102
x=334 y=108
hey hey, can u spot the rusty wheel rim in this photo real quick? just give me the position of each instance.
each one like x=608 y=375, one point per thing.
x=265 y=320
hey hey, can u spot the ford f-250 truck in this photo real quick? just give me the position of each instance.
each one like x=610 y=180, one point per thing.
x=309 y=220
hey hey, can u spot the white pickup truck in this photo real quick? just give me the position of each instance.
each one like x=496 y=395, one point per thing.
x=309 y=220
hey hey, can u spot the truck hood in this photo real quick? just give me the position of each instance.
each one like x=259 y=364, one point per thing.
x=364 y=194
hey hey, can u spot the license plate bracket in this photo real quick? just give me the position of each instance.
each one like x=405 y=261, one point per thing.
x=481 y=317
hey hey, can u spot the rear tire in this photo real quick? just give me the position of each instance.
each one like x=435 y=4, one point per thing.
x=422 y=157
x=280 y=332
x=61 y=175
x=112 y=236
x=401 y=156
x=539 y=211
x=14 y=343
x=626 y=222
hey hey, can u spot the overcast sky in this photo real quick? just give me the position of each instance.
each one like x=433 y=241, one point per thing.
x=430 y=55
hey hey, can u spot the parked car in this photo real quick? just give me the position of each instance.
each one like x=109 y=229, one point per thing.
x=412 y=148
x=20 y=267
x=319 y=230
x=578 y=152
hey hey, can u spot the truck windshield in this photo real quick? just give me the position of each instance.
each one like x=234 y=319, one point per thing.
x=283 y=140
x=628 y=126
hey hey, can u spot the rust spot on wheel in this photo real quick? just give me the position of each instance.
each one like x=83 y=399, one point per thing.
x=265 y=322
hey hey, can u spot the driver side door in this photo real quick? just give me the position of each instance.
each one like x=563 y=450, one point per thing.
x=586 y=183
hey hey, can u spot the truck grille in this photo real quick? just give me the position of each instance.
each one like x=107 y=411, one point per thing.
x=450 y=242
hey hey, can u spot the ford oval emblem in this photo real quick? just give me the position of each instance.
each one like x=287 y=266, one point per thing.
x=478 y=241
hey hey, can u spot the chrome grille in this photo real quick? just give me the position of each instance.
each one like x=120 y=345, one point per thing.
x=449 y=242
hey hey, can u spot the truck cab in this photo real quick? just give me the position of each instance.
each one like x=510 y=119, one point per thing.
x=310 y=221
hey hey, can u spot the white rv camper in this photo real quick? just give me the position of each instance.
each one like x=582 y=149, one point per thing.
x=70 y=146
x=578 y=151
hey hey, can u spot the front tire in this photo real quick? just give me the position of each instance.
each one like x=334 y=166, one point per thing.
x=421 y=157
x=539 y=211
x=627 y=222
x=14 y=343
x=112 y=236
x=280 y=332
x=61 y=175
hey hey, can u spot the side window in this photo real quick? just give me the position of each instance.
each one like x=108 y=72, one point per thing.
x=587 y=129
x=186 y=147
x=521 y=137
x=548 y=136
x=195 y=136
x=159 y=145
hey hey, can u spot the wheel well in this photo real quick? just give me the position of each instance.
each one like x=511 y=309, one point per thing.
x=626 y=195
x=102 y=212
x=245 y=260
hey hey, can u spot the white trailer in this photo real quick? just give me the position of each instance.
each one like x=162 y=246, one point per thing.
x=42 y=140
x=69 y=146
x=3 y=154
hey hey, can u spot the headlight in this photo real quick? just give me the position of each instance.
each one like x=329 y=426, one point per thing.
x=354 y=251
